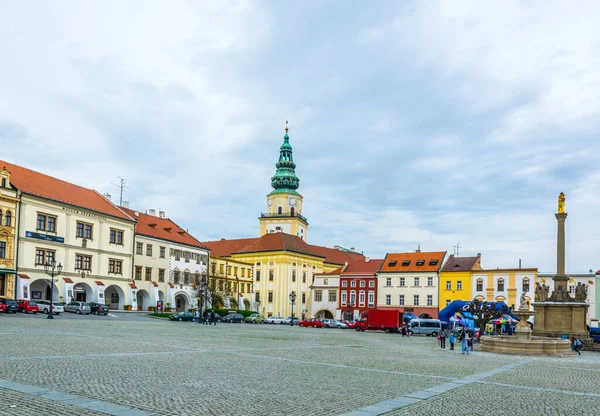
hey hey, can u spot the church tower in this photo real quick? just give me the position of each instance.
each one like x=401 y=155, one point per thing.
x=284 y=203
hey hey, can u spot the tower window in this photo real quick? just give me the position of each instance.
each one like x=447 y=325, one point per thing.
x=292 y=211
x=279 y=210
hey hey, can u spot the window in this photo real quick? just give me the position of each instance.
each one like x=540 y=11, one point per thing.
x=479 y=285
x=138 y=273
x=46 y=223
x=433 y=262
x=43 y=256
x=332 y=296
x=430 y=281
x=420 y=262
x=318 y=296
x=114 y=297
x=115 y=266
x=402 y=281
x=244 y=272
x=372 y=283
x=148 y=274
x=303 y=297
x=401 y=300
x=83 y=262
x=417 y=281
x=161 y=275
x=177 y=255
x=270 y=299
x=388 y=299
x=371 y=298
x=448 y=285
x=353 y=283
x=525 y=285
x=353 y=297
x=429 y=300
x=221 y=269
x=149 y=250
x=304 y=277
x=186 y=278
x=51 y=226
x=293 y=275
x=416 y=300
x=4 y=182
x=344 y=283
x=448 y=302
x=7 y=218
x=363 y=283
x=459 y=285
x=258 y=275
x=41 y=222
x=500 y=285
x=2 y=250
x=257 y=296
x=388 y=281
x=344 y=298
x=177 y=276
x=392 y=263
x=405 y=263
x=84 y=230
x=139 y=248
x=361 y=297
x=271 y=275
x=235 y=271
x=325 y=281
x=279 y=210
x=116 y=237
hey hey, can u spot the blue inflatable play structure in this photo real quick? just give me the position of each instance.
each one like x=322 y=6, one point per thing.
x=447 y=314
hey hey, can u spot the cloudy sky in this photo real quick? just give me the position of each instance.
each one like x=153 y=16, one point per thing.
x=426 y=123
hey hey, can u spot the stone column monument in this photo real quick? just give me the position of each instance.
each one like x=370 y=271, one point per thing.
x=560 y=313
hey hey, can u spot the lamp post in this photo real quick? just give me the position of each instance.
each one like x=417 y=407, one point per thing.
x=204 y=289
x=52 y=270
x=293 y=300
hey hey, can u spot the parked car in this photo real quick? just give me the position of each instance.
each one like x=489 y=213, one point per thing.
x=350 y=324
x=26 y=306
x=10 y=305
x=274 y=320
x=2 y=308
x=288 y=320
x=328 y=323
x=98 y=308
x=44 y=306
x=255 y=318
x=78 y=307
x=182 y=316
x=340 y=324
x=429 y=327
x=314 y=322
x=232 y=318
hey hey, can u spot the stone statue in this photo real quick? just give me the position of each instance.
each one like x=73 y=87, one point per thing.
x=580 y=292
x=546 y=292
x=523 y=305
x=541 y=292
x=561 y=203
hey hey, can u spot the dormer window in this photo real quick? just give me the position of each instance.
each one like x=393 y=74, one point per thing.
x=420 y=262
x=152 y=225
x=433 y=262
x=405 y=263
x=181 y=232
x=392 y=263
x=168 y=229
x=4 y=182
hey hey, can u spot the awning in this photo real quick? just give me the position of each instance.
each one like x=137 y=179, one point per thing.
x=171 y=285
x=154 y=284
x=68 y=280
x=23 y=276
x=132 y=285
x=99 y=283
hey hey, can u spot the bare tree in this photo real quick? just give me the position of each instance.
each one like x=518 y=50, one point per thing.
x=482 y=312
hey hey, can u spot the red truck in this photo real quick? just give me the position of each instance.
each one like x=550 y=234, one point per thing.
x=388 y=320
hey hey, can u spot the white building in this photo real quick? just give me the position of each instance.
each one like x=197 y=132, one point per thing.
x=323 y=299
x=188 y=262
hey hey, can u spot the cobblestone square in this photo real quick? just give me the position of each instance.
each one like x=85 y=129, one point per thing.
x=89 y=366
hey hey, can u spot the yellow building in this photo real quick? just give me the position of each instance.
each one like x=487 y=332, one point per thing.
x=230 y=279
x=8 y=223
x=505 y=285
x=456 y=279
x=282 y=260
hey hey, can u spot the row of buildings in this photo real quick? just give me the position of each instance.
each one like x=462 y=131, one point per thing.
x=131 y=259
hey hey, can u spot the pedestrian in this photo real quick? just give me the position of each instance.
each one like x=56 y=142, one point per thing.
x=408 y=331
x=464 y=342
x=403 y=330
x=577 y=344
x=471 y=337
x=443 y=335
x=196 y=317
x=214 y=318
x=451 y=339
x=205 y=317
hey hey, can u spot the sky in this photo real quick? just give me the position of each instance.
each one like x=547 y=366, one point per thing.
x=413 y=123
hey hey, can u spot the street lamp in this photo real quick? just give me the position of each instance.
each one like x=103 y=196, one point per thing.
x=52 y=270
x=204 y=288
x=292 y=299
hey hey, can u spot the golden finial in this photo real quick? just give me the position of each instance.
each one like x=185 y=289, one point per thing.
x=286 y=127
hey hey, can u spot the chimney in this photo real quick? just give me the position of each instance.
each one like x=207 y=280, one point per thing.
x=137 y=214
x=367 y=259
x=419 y=249
x=519 y=263
x=352 y=248
x=152 y=212
x=161 y=214
x=125 y=204
x=222 y=239
x=451 y=256
x=478 y=255
x=107 y=196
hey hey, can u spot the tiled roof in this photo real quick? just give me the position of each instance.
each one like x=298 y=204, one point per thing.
x=413 y=262
x=279 y=242
x=162 y=229
x=35 y=183
x=462 y=264
x=363 y=267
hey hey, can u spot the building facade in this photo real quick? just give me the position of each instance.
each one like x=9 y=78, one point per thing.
x=411 y=281
x=589 y=280
x=323 y=301
x=9 y=199
x=358 y=288
x=504 y=285
x=456 y=279
x=77 y=227
x=230 y=283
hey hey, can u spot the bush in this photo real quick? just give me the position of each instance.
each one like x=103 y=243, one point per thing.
x=223 y=312
x=160 y=315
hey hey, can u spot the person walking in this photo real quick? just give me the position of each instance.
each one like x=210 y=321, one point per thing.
x=214 y=318
x=471 y=337
x=443 y=335
x=205 y=317
x=577 y=344
x=451 y=340
x=196 y=317
x=464 y=342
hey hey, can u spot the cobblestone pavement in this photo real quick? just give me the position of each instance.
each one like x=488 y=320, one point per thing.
x=178 y=368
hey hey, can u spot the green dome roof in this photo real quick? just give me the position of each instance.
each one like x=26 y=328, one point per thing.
x=285 y=179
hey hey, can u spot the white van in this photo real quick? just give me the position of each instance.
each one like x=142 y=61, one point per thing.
x=426 y=326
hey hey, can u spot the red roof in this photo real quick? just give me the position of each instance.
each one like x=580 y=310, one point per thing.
x=363 y=267
x=281 y=242
x=35 y=183
x=161 y=228
x=413 y=262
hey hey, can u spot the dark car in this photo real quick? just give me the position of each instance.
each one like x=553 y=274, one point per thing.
x=11 y=305
x=233 y=318
x=98 y=308
x=182 y=316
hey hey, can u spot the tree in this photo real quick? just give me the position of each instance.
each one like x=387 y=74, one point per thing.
x=247 y=304
x=482 y=312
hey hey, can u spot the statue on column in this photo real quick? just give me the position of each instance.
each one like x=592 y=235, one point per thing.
x=541 y=292
x=561 y=203
x=580 y=292
x=523 y=304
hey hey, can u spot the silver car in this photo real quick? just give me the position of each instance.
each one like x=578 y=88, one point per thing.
x=78 y=307
x=44 y=306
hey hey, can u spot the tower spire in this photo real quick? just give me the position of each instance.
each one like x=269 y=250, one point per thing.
x=285 y=179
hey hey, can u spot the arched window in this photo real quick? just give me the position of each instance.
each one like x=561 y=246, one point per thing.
x=8 y=219
x=279 y=210
x=292 y=211
x=4 y=182
x=480 y=285
x=526 y=285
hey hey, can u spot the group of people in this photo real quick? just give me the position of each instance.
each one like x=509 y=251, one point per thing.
x=207 y=318
x=465 y=337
